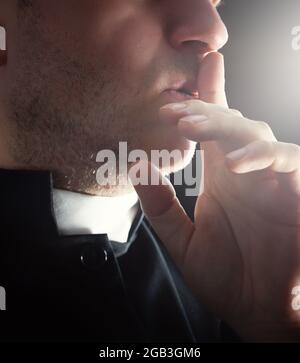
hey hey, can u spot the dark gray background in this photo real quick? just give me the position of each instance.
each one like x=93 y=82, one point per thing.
x=263 y=71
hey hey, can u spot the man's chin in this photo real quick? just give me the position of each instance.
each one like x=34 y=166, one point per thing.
x=109 y=177
x=174 y=159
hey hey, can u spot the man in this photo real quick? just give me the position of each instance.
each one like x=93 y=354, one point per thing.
x=79 y=77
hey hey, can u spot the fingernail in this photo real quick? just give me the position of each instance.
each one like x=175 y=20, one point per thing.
x=194 y=119
x=175 y=107
x=237 y=155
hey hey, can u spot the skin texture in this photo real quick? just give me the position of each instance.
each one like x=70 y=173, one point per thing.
x=80 y=78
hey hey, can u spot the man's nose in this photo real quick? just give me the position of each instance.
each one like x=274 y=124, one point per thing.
x=195 y=24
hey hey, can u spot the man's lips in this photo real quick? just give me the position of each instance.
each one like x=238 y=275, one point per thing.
x=179 y=95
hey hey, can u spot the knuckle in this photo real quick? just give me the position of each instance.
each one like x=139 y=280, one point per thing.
x=236 y=112
x=263 y=127
x=296 y=150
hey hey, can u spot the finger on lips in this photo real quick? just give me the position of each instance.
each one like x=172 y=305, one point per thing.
x=247 y=144
x=211 y=79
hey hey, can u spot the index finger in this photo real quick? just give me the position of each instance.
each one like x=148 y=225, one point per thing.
x=211 y=80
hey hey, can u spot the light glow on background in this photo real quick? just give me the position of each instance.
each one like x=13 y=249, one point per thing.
x=262 y=68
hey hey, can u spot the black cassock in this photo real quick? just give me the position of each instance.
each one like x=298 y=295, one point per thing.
x=87 y=288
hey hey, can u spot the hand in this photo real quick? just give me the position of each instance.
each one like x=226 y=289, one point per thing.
x=241 y=256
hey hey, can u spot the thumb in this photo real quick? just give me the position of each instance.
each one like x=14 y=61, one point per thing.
x=163 y=210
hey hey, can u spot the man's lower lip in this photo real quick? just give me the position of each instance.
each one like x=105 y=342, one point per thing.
x=171 y=96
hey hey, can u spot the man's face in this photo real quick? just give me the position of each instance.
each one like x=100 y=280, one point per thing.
x=84 y=75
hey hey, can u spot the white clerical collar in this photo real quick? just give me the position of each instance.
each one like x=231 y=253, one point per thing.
x=84 y=214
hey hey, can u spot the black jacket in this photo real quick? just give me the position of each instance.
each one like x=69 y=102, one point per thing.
x=87 y=288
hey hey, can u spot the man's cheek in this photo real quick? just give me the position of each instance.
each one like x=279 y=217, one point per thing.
x=132 y=53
